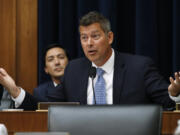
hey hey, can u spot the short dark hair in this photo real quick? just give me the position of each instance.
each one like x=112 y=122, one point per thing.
x=50 y=46
x=96 y=17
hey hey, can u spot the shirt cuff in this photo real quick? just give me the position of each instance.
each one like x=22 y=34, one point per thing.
x=176 y=99
x=19 y=99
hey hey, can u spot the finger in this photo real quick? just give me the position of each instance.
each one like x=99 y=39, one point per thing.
x=3 y=72
x=177 y=77
x=171 y=80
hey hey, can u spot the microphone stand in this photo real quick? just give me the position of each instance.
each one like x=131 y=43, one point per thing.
x=92 y=74
x=93 y=90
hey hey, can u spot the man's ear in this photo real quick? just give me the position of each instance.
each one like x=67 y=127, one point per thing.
x=110 y=37
x=45 y=69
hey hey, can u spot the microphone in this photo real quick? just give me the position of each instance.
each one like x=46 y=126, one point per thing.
x=92 y=74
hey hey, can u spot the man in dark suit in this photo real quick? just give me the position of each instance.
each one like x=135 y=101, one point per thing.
x=126 y=79
x=45 y=92
x=55 y=59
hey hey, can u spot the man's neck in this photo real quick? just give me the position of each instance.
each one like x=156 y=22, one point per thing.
x=56 y=80
x=107 y=59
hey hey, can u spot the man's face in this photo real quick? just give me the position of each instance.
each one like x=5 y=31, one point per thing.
x=55 y=62
x=95 y=43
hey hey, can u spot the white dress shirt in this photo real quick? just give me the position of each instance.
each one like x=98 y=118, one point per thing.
x=55 y=84
x=19 y=99
x=108 y=67
x=176 y=99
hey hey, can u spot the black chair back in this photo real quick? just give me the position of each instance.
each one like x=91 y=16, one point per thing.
x=105 y=120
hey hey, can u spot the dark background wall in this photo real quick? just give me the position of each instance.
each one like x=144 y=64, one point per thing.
x=143 y=27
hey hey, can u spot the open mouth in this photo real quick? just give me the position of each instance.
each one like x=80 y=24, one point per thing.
x=92 y=52
x=58 y=69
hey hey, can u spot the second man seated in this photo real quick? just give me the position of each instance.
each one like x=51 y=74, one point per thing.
x=55 y=59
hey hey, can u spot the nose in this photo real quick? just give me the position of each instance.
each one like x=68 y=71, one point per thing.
x=90 y=42
x=57 y=61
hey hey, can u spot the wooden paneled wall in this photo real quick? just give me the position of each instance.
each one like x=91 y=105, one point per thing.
x=18 y=41
x=8 y=36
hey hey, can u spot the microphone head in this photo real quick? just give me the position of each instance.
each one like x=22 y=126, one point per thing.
x=92 y=72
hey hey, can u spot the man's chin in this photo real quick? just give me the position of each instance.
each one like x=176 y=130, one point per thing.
x=58 y=75
x=92 y=58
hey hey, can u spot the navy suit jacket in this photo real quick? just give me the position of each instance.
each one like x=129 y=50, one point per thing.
x=136 y=81
x=45 y=92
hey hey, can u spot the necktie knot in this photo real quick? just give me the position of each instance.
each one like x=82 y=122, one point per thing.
x=100 y=71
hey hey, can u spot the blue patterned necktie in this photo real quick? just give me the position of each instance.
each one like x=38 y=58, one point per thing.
x=100 y=89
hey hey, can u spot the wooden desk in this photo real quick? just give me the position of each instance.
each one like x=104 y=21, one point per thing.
x=169 y=122
x=38 y=121
x=24 y=121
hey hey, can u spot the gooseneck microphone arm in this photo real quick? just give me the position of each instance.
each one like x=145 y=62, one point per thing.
x=93 y=90
x=92 y=74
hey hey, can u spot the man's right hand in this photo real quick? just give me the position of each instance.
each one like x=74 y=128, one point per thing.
x=9 y=84
x=174 y=87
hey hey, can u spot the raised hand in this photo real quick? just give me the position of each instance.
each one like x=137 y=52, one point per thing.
x=9 y=84
x=174 y=87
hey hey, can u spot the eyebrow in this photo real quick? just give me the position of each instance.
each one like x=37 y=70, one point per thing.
x=91 y=32
x=95 y=31
x=59 y=54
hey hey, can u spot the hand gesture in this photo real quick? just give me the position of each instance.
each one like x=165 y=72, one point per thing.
x=174 y=87
x=9 y=84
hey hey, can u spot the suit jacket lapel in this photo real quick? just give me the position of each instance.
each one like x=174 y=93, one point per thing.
x=84 y=81
x=119 y=72
x=50 y=88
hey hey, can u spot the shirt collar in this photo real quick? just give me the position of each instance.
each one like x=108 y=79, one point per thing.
x=55 y=84
x=109 y=65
